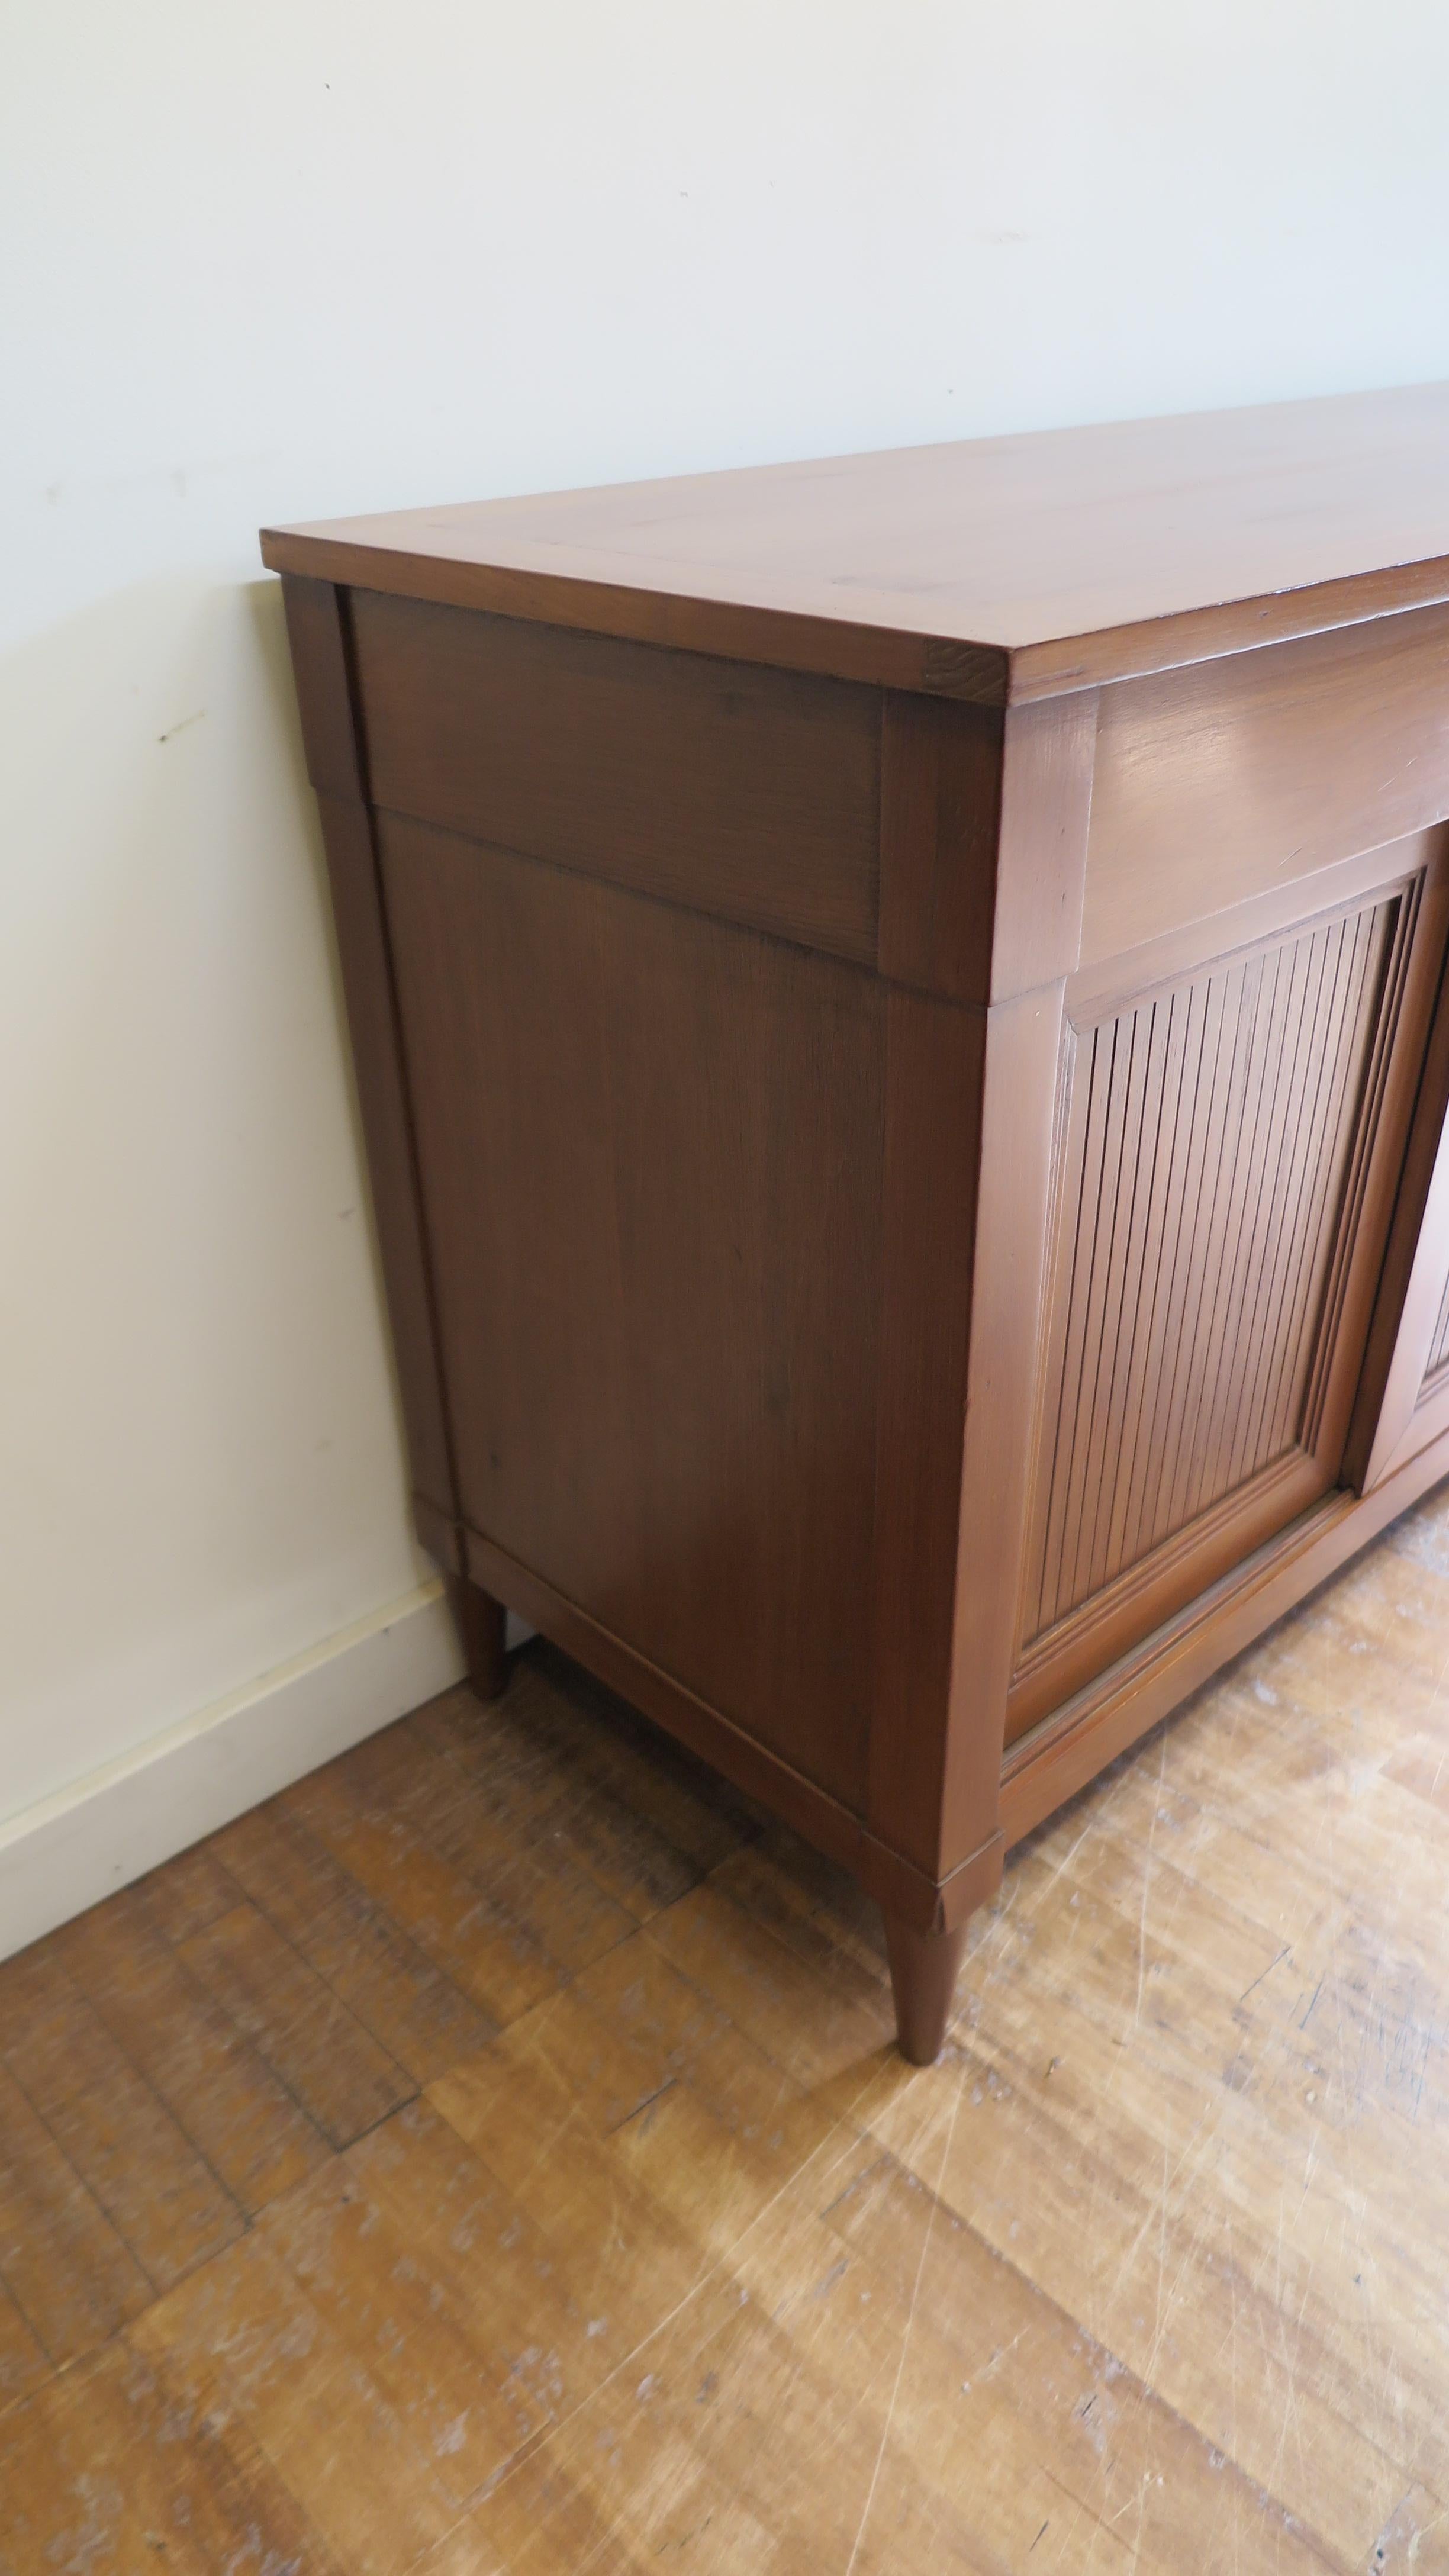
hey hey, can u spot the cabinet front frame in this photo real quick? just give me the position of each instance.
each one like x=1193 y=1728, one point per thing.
x=1404 y=1404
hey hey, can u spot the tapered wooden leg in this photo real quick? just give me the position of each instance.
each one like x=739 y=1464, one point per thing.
x=480 y=1625
x=923 y=1982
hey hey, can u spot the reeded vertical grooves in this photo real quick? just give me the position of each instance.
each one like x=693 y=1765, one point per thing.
x=1213 y=1148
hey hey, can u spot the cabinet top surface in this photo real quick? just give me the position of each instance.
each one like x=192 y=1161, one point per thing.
x=994 y=568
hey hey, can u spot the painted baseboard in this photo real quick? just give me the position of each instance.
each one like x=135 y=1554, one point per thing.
x=68 y=1851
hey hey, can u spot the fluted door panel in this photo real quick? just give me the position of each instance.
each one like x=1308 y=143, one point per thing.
x=1216 y=1136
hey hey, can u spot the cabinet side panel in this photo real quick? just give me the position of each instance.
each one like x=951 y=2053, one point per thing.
x=318 y=645
x=750 y=794
x=321 y=674
x=651 y=1147
x=940 y=815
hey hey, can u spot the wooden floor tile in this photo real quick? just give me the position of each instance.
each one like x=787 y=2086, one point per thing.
x=221 y=2091
x=334 y=2068
x=113 y=2472
x=23 y=2362
x=674 y=2262
x=546 y=2339
x=559 y=1907
x=138 y=2164
x=565 y=1774
x=69 y=2273
x=810 y=2023
x=500 y=1964
x=186 y=1893
x=242 y=2342
x=596 y=1743
x=412 y=2008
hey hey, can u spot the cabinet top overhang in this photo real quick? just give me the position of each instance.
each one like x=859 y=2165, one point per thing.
x=994 y=569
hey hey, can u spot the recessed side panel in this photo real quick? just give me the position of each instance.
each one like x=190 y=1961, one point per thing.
x=1229 y=1145
x=750 y=794
x=651 y=1148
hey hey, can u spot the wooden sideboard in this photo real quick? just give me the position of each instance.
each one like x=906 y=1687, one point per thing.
x=897 y=1013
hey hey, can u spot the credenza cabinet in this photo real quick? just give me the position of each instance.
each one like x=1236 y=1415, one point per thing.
x=898 y=1015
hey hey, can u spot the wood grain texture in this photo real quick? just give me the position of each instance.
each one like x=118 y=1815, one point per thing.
x=751 y=794
x=993 y=569
x=1048 y=781
x=1051 y=1761
x=1217 y=783
x=220 y=2087
x=411 y=2007
x=984 y=820
x=128 y=2149
x=662 y=1366
x=939 y=833
x=935 y=1069
x=186 y=2054
x=322 y=672
x=329 y=2061
x=786 y=1324
x=685 y=2266
x=321 y=661
x=1045 y=803
x=901 y=1885
x=924 y=1967
x=1231 y=1144
x=482 y=1625
x=1211 y=1132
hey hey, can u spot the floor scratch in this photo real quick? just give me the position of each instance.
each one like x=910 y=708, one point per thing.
x=906 y=2333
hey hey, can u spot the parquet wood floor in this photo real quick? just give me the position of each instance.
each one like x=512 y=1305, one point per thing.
x=488 y=2159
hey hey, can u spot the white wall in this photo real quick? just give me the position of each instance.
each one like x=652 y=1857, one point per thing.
x=292 y=257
